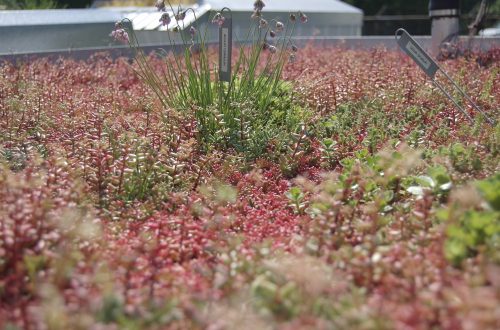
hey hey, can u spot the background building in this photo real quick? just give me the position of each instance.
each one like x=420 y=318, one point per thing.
x=32 y=31
x=326 y=18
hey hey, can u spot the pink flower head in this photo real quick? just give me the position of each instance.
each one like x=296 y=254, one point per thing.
x=280 y=26
x=120 y=35
x=218 y=19
x=165 y=19
x=160 y=5
x=303 y=17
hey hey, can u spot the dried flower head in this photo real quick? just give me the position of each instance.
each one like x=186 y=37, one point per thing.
x=218 y=19
x=294 y=48
x=303 y=17
x=118 y=25
x=180 y=16
x=160 y=5
x=165 y=19
x=192 y=31
x=292 y=57
x=293 y=18
x=257 y=14
x=262 y=23
x=258 y=5
x=279 y=26
x=272 y=34
x=272 y=49
x=257 y=9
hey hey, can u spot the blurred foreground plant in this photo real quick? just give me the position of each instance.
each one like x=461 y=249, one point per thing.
x=474 y=222
x=47 y=231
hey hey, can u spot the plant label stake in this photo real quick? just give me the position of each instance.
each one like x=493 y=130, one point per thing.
x=225 y=49
x=430 y=67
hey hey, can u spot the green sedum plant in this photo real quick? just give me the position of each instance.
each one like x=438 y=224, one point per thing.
x=464 y=159
x=437 y=181
x=296 y=197
x=476 y=229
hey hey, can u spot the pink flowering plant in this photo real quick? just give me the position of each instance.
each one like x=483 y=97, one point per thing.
x=243 y=114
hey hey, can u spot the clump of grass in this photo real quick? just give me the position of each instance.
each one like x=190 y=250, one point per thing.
x=246 y=113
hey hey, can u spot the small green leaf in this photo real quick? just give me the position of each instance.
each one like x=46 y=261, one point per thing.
x=294 y=194
x=458 y=148
x=439 y=174
x=446 y=186
x=426 y=181
x=416 y=190
x=226 y=194
x=263 y=288
x=443 y=214
x=455 y=251
x=490 y=190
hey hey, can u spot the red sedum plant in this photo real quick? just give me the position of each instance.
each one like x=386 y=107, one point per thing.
x=113 y=215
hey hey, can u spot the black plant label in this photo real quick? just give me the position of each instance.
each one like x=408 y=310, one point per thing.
x=417 y=53
x=225 y=49
x=430 y=67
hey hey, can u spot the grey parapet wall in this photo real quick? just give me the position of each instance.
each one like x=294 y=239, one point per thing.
x=362 y=43
x=25 y=31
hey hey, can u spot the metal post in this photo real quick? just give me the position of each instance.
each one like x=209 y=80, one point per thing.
x=445 y=26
